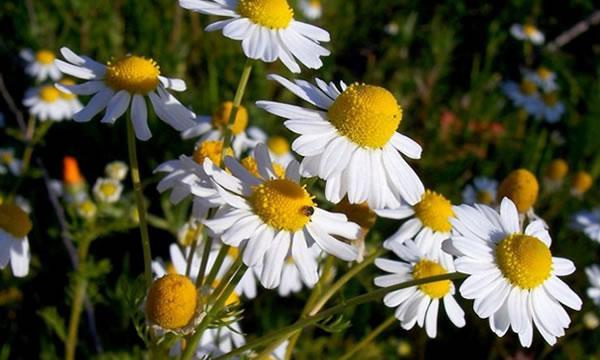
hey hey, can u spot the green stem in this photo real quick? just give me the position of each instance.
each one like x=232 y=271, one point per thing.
x=193 y=246
x=237 y=102
x=76 y=308
x=367 y=339
x=28 y=138
x=310 y=320
x=204 y=262
x=217 y=265
x=230 y=272
x=139 y=201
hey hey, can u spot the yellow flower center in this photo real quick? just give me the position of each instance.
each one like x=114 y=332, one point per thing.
x=524 y=260
x=172 y=301
x=108 y=189
x=434 y=211
x=221 y=116
x=65 y=95
x=582 y=182
x=274 y=14
x=6 y=157
x=45 y=57
x=528 y=87
x=368 y=115
x=283 y=204
x=249 y=163
x=484 y=197
x=315 y=4
x=543 y=73
x=522 y=187
x=557 y=170
x=360 y=214
x=550 y=98
x=427 y=268
x=49 y=93
x=233 y=298
x=211 y=149
x=14 y=220
x=530 y=30
x=278 y=145
x=86 y=209
x=134 y=74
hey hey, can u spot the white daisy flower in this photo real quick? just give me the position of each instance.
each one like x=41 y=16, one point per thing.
x=429 y=222
x=524 y=95
x=212 y=127
x=527 y=32
x=8 y=162
x=351 y=142
x=279 y=147
x=513 y=277
x=543 y=77
x=86 y=209
x=107 y=190
x=267 y=30
x=482 y=191
x=549 y=108
x=419 y=305
x=271 y=218
x=121 y=82
x=48 y=103
x=311 y=9
x=589 y=223
x=14 y=244
x=291 y=280
x=593 y=274
x=116 y=170
x=40 y=65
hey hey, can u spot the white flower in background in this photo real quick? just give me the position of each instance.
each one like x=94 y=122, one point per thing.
x=429 y=221
x=549 y=108
x=15 y=224
x=527 y=32
x=351 y=142
x=279 y=147
x=219 y=341
x=116 y=170
x=589 y=223
x=86 y=209
x=513 y=276
x=48 y=103
x=23 y=203
x=593 y=275
x=291 y=280
x=123 y=83
x=524 y=95
x=543 y=77
x=8 y=162
x=482 y=191
x=279 y=352
x=212 y=127
x=392 y=28
x=267 y=30
x=312 y=9
x=419 y=304
x=107 y=190
x=271 y=218
x=40 y=64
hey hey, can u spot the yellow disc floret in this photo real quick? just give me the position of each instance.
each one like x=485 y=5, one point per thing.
x=274 y=14
x=278 y=145
x=427 y=268
x=134 y=74
x=360 y=214
x=172 y=301
x=14 y=220
x=220 y=118
x=367 y=115
x=557 y=169
x=485 y=197
x=581 y=182
x=543 y=73
x=522 y=187
x=283 y=204
x=528 y=87
x=550 y=98
x=49 y=93
x=45 y=57
x=249 y=163
x=434 y=211
x=64 y=95
x=211 y=149
x=524 y=260
x=530 y=30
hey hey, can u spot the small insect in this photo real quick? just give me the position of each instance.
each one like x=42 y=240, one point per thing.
x=308 y=210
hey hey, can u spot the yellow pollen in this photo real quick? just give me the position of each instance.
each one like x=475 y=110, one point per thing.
x=529 y=30
x=360 y=214
x=49 y=93
x=233 y=298
x=550 y=98
x=45 y=57
x=278 y=145
x=134 y=74
x=581 y=182
x=108 y=189
x=484 y=197
x=522 y=187
x=368 y=115
x=543 y=73
x=557 y=169
x=221 y=117
x=427 y=268
x=528 y=87
x=524 y=260
x=65 y=95
x=172 y=301
x=249 y=163
x=274 y=14
x=14 y=220
x=86 y=209
x=283 y=204
x=434 y=211
x=211 y=149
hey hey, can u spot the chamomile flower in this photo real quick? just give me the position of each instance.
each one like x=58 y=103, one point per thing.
x=116 y=170
x=122 y=83
x=351 y=142
x=212 y=127
x=279 y=147
x=543 y=77
x=392 y=28
x=513 y=276
x=524 y=95
x=46 y=103
x=550 y=108
x=419 y=305
x=482 y=191
x=555 y=174
x=71 y=100
x=8 y=162
x=86 y=209
x=40 y=64
x=15 y=225
x=593 y=274
x=291 y=280
x=429 y=223
x=267 y=30
x=107 y=190
x=581 y=182
x=589 y=223
x=311 y=9
x=522 y=188
x=527 y=32
x=271 y=218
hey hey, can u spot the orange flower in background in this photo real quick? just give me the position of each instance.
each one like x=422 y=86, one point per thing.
x=71 y=174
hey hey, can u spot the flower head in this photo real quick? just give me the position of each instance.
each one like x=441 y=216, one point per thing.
x=482 y=191
x=172 y=302
x=107 y=190
x=527 y=32
x=15 y=225
x=40 y=64
x=522 y=187
x=116 y=170
x=581 y=182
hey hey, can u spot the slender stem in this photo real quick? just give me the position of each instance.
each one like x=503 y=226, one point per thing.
x=223 y=283
x=237 y=102
x=139 y=201
x=193 y=247
x=26 y=160
x=370 y=337
x=361 y=299
x=75 y=316
x=204 y=262
x=217 y=264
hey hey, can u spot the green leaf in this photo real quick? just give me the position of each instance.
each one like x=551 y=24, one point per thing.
x=54 y=321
